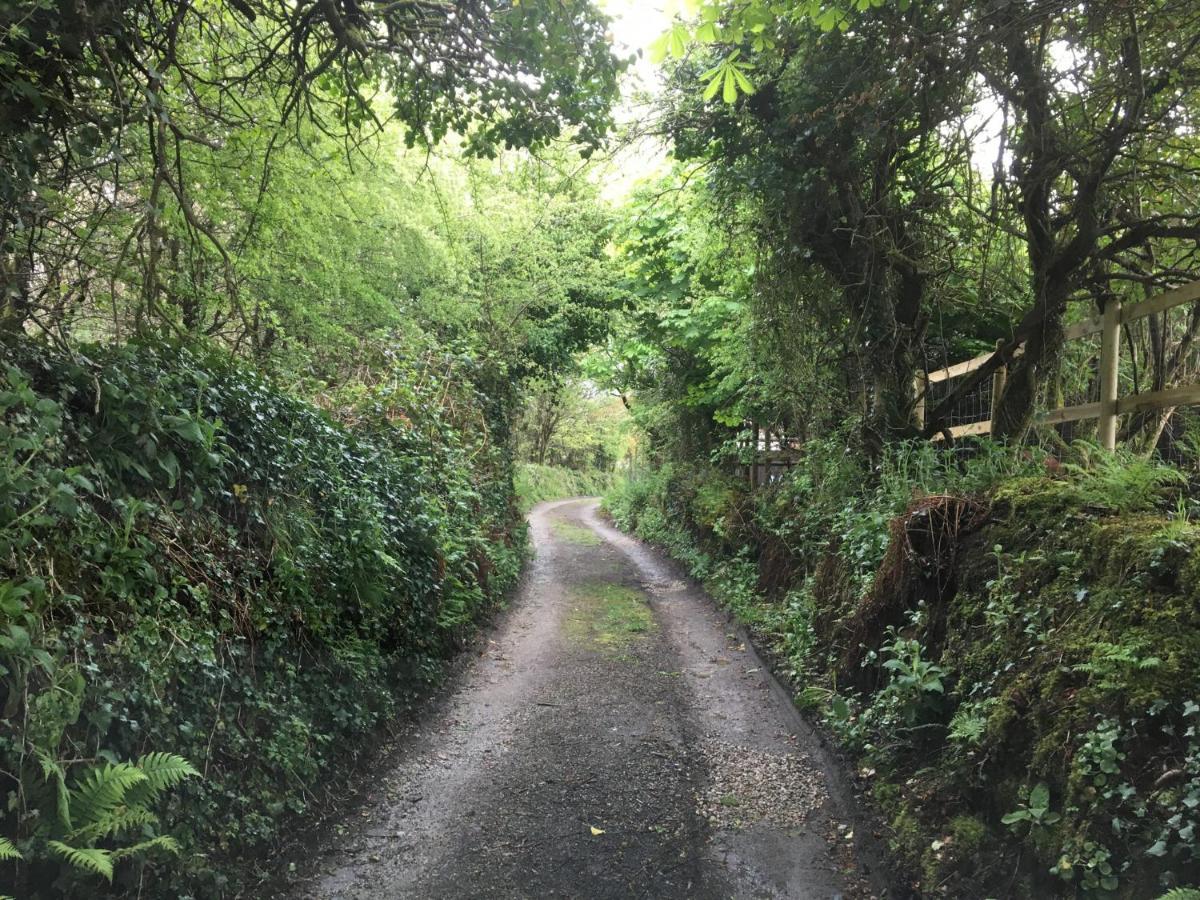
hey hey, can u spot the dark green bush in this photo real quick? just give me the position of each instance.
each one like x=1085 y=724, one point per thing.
x=196 y=562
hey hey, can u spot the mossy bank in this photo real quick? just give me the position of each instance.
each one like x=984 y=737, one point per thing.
x=1009 y=644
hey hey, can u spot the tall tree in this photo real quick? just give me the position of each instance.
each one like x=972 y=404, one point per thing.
x=843 y=145
x=1101 y=98
x=88 y=89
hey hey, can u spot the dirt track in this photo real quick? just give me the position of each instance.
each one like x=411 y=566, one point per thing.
x=617 y=738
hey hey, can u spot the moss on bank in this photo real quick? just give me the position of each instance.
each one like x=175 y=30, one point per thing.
x=1021 y=684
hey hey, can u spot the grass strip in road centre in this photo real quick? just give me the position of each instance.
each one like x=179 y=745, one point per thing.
x=608 y=617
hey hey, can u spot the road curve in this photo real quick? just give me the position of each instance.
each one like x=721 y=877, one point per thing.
x=617 y=737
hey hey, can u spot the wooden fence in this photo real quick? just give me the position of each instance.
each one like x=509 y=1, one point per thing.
x=1111 y=405
x=774 y=454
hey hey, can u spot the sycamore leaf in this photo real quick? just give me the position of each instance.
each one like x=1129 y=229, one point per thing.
x=595 y=830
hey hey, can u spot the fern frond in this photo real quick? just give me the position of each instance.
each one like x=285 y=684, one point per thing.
x=8 y=850
x=117 y=821
x=101 y=790
x=89 y=859
x=50 y=765
x=162 y=842
x=52 y=769
x=1181 y=894
x=162 y=771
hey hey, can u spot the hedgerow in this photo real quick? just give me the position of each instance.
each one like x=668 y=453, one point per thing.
x=1010 y=644
x=198 y=569
x=535 y=482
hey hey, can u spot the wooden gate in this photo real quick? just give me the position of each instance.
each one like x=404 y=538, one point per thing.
x=1110 y=405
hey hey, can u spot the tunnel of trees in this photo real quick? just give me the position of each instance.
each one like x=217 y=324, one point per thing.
x=302 y=306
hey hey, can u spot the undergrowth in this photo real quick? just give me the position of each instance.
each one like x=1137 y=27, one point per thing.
x=198 y=569
x=1010 y=643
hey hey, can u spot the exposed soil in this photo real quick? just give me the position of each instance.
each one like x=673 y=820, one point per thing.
x=617 y=737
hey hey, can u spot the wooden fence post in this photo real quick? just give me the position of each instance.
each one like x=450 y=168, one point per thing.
x=753 y=455
x=998 y=381
x=920 y=389
x=1110 y=343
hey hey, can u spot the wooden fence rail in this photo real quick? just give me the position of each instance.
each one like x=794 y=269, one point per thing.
x=1111 y=405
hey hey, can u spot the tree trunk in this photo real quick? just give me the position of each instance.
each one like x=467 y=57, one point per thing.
x=892 y=309
x=1015 y=408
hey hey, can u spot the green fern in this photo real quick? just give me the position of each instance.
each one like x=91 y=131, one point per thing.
x=102 y=790
x=89 y=859
x=162 y=842
x=1121 y=481
x=51 y=769
x=1181 y=894
x=114 y=824
x=8 y=850
x=106 y=802
x=163 y=771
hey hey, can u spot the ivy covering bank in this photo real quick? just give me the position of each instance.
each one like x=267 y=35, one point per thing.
x=212 y=591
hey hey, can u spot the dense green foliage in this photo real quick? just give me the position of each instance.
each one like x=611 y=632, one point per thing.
x=272 y=283
x=1004 y=634
x=1012 y=655
x=301 y=306
x=854 y=170
x=120 y=118
x=198 y=562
